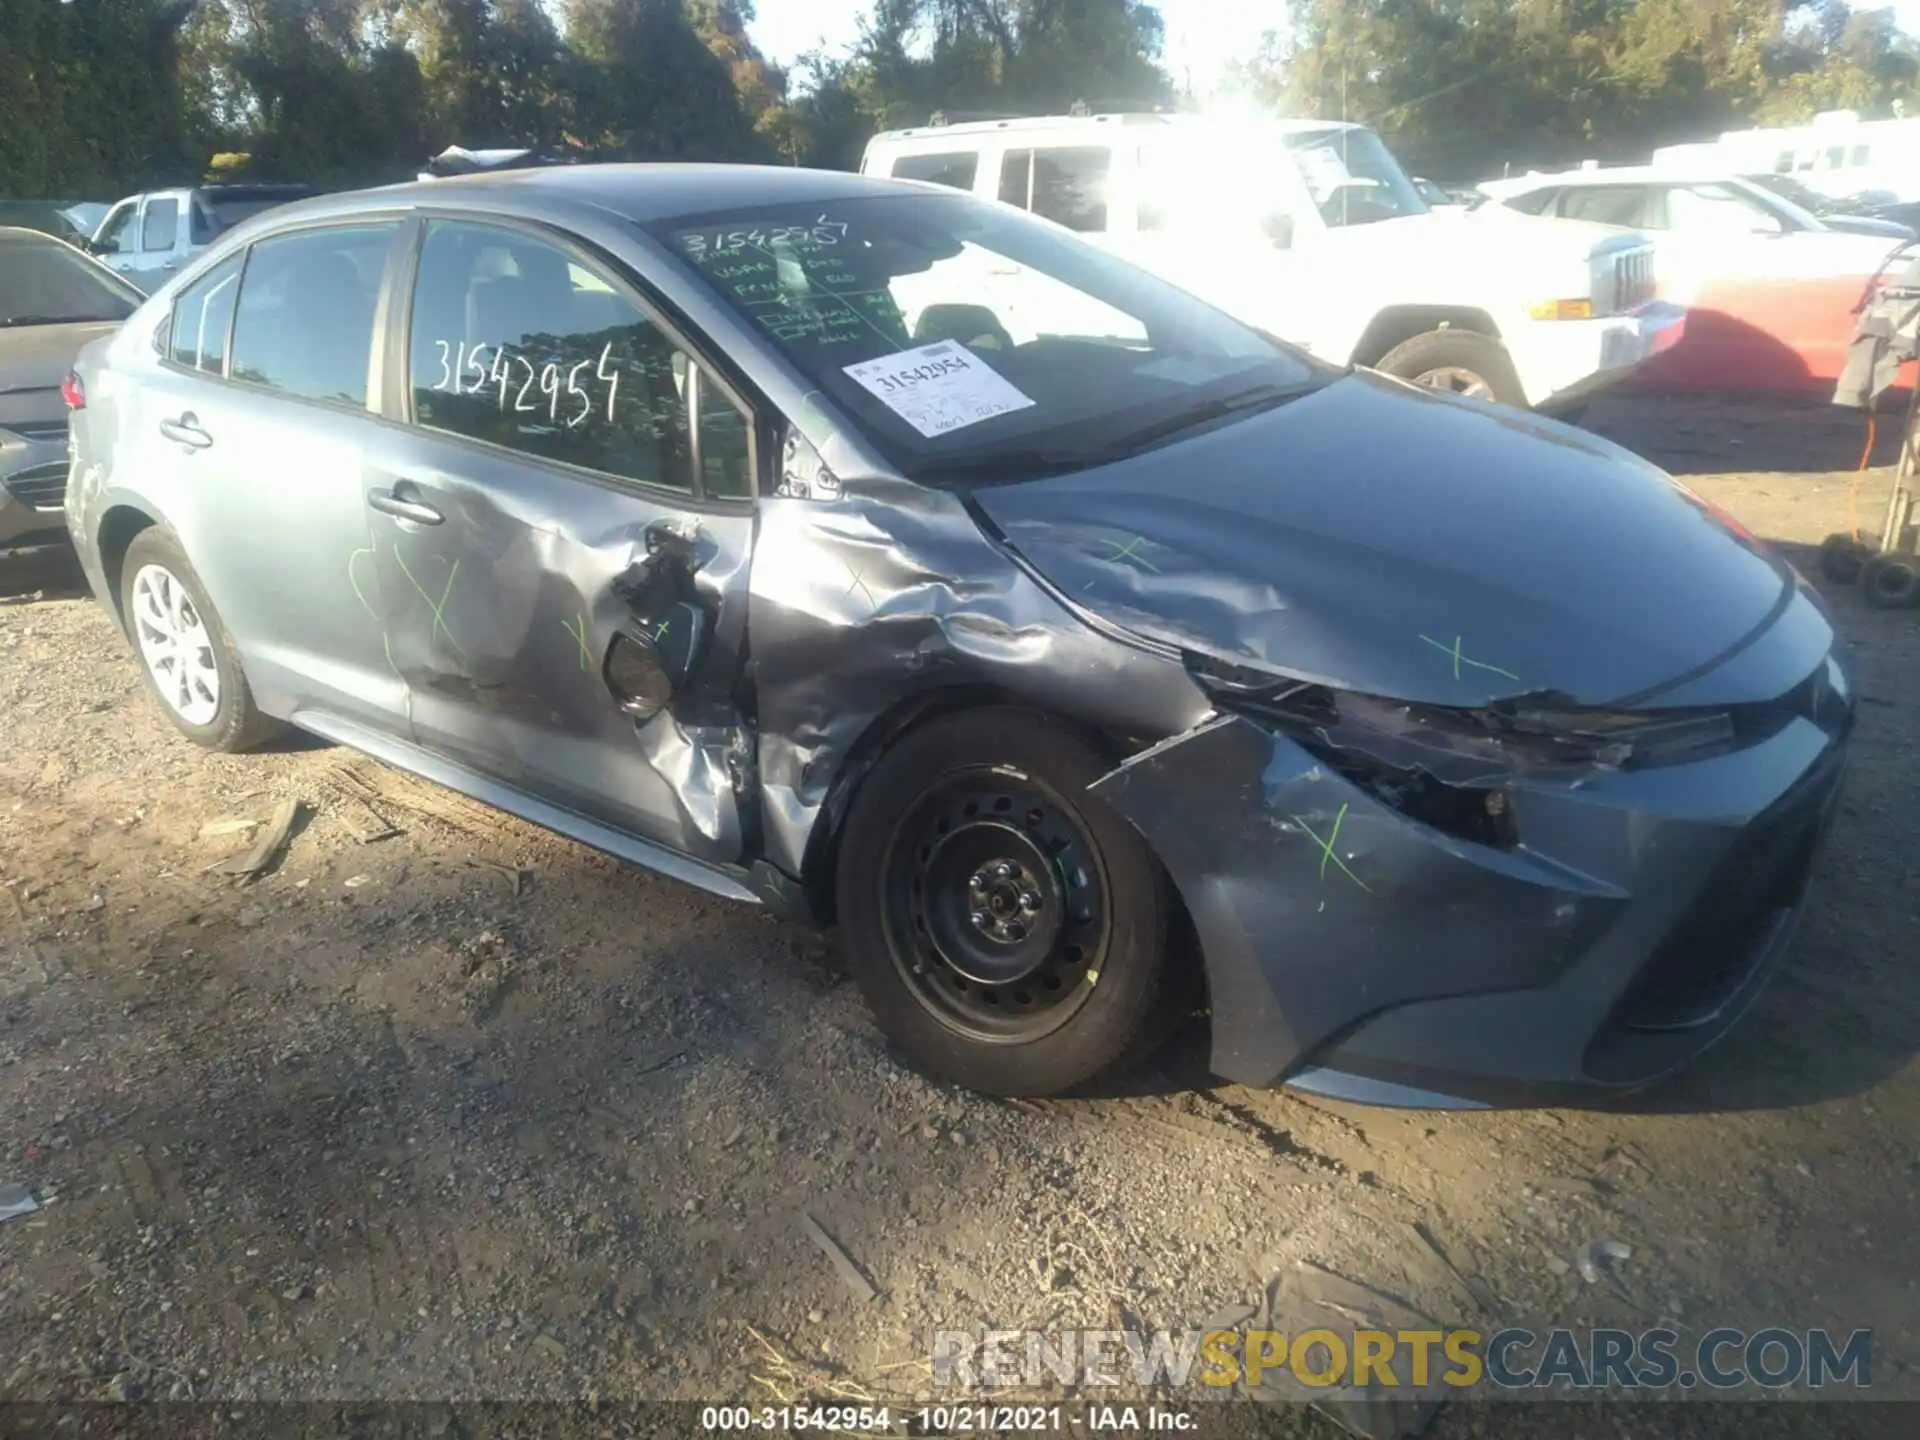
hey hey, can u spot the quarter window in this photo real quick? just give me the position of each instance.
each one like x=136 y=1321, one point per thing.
x=304 y=320
x=955 y=170
x=202 y=316
x=160 y=225
x=515 y=343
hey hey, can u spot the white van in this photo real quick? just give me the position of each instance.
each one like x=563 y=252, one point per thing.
x=1311 y=231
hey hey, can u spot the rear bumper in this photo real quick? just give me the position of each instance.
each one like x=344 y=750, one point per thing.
x=1358 y=952
x=33 y=483
x=1563 y=362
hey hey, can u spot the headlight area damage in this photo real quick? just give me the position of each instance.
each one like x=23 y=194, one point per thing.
x=1412 y=904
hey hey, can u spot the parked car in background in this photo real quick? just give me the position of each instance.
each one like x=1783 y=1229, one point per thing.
x=1438 y=197
x=717 y=517
x=1312 y=231
x=1855 y=215
x=53 y=300
x=147 y=238
x=70 y=220
x=1771 y=290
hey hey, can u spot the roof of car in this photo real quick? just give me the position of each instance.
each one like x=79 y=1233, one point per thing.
x=634 y=192
x=1098 y=122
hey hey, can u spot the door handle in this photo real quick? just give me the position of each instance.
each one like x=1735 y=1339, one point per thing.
x=403 y=506
x=185 y=430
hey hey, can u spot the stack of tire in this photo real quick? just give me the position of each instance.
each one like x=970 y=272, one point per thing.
x=1889 y=582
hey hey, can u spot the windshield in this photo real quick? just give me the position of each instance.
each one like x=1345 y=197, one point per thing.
x=227 y=211
x=968 y=339
x=1788 y=188
x=1352 y=176
x=45 y=282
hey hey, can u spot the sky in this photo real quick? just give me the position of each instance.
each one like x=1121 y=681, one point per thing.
x=1202 y=35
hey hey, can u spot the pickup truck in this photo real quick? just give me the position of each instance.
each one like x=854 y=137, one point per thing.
x=150 y=236
x=1311 y=231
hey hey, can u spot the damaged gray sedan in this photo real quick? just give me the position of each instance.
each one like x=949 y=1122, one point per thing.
x=890 y=558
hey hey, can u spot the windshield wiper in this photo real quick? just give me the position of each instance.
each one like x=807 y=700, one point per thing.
x=1008 y=465
x=1257 y=397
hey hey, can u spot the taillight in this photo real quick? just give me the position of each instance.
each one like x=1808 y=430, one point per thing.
x=73 y=392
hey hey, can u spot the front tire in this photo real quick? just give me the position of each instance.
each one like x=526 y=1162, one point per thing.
x=1462 y=362
x=185 y=652
x=1008 y=929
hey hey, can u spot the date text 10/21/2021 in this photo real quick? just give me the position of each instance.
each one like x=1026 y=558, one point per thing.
x=465 y=370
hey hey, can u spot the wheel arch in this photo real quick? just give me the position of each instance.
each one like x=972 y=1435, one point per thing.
x=1398 y=324
x=118 y=528
x=910 y=714
x=886 y=730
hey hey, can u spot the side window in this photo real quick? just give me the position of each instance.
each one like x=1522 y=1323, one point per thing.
x=115 y=236
x=1623 y=205
x=1070 y=186
x=1716 y=210
x=1860 y=154
x=160 y=225
x=955 y=169
x=304 y=321
x=515 y=343
x=201 y=228
x=1535 y=202
x=1016 y=178
x=201 y=318
x=1180 y=186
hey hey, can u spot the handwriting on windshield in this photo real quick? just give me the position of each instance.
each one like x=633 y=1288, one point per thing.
x=519 y=385
x=701 y=244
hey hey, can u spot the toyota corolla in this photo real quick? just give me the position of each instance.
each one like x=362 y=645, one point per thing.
x=897 y=560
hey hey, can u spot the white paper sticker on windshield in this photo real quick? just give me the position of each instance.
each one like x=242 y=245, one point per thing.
x=1324 y=170
x=937 y=388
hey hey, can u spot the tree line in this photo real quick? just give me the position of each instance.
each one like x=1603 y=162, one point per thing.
x=100 y=97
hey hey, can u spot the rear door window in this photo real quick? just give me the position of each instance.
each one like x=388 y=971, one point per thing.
x=954 y=169
x=516 y=343
x=304 y=319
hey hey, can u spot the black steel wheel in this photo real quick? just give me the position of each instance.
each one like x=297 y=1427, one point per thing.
x=996 y=915
x=1007 y=927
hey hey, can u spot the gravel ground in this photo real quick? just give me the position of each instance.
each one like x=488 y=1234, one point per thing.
x=470 y=1112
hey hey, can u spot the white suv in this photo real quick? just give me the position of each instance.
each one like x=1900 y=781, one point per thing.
x=1311 y=230
x=147 y=238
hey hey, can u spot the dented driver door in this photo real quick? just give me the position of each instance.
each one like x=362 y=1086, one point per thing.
x=562 y=532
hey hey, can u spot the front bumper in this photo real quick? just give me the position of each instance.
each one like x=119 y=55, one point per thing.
x=1563 y=362
x=1355 y=951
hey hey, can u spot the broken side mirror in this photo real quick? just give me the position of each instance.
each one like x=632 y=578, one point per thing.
x=652 y=659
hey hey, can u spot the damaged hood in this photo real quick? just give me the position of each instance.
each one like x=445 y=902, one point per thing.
x=1381 y=538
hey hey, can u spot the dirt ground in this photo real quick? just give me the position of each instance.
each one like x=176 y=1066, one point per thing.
x=471 y=1111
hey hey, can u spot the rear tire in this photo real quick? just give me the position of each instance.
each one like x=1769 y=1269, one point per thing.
x=1842 y=558
x=1008 y=929
x=1462 y=362
x=185 y=652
